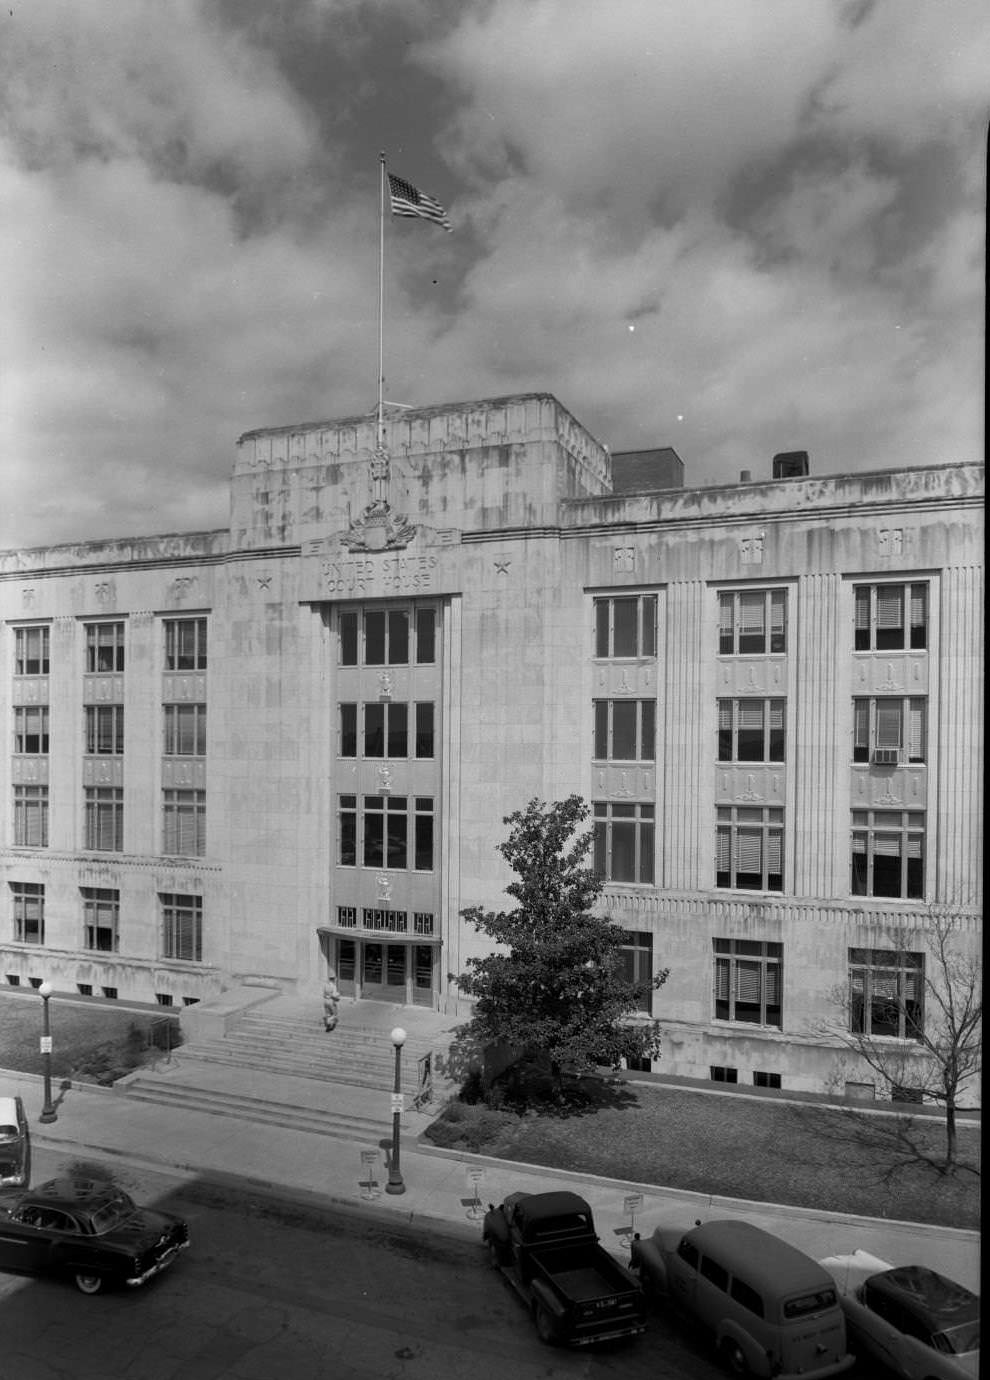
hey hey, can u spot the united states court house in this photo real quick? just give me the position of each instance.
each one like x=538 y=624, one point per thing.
x=257 y=753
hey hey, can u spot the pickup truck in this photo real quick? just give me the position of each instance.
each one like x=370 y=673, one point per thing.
x=546 y=1246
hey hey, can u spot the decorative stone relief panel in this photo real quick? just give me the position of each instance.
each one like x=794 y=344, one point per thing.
x=904 y=788
x=179 y=772
x=29 y=771
x=752 y=676
x=29 y=690
x=103 y=690
x=637 y=679
x=176 y=687
x=103 y=771
x=749 y=784
x=612 y=782
x=890 y=674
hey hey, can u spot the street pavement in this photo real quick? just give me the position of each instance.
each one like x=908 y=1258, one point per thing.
x=444 y=1190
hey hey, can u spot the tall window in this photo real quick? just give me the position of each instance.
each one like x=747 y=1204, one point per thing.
x=424 y=729
x=387 y=636
x=31 y=816
x=101 y=918
x=751 y=730
x=386 y=831
x=890 y=617
x=105 y=729
x=626 y=626
x=185 y=730
x=31 y=729
x=31 y=651
x=347 y=831
x=182 y=927
x=748 y=981
x=635 y=963
x=104 y=647
x=386 y=729
x=749 y=848
x=184 y=823
x=752 y=622
x=423 y=833
x=888 y=853
x=625 y=730
x=624 y=840
x=889 y=730
x=105 y=818
x=28 y=904
x=185 y=644
x=887 y=993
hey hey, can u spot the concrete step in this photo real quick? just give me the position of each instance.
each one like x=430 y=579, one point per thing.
x=336 y=1124
x=349 y=1073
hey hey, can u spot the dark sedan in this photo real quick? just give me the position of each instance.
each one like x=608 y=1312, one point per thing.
x=91 y=1231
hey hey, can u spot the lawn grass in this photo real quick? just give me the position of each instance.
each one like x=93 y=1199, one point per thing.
x=95 y=1043
x=814 y=1156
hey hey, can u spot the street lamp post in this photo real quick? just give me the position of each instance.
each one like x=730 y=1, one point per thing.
x=395 y=1184
x=48 y=1112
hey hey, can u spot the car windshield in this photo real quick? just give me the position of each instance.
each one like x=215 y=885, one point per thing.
x=955 y=1341
x=110 y=1212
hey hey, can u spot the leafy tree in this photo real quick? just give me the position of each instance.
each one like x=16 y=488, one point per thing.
x=554 y=989
x=944 y=1054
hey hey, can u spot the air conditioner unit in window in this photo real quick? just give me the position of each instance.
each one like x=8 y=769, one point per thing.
x=886 y=757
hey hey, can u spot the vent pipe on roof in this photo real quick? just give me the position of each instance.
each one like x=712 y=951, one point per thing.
x=744 y=476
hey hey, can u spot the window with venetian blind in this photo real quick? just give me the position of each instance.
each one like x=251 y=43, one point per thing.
x=890 y=729
x=31 y=816
x=749 y=847
x=888 y=853
x=101 y=918
x=751 y=730
x=752 y=622
x=28 y=905
x=184 y=823
x=748 y=981
x=890 y=617
x=887 y=993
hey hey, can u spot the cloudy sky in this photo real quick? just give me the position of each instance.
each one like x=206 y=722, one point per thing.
x=731 y=226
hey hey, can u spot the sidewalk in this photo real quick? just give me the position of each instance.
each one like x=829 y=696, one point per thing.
x=441 y=1185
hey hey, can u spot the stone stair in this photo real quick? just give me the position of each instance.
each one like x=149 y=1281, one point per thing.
x=353 y=1055
x=283 y=1070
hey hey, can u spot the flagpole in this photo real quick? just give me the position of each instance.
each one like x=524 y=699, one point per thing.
x=381 y=304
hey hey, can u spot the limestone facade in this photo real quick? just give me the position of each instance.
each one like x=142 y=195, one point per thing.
x=254 y=753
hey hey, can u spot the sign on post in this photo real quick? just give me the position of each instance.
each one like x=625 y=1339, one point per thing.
x=476 y=1177
x=46 y=1044
x=397 y=1103
x=369 y=1182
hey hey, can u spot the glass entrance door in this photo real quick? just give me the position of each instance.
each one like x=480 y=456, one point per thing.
x=383 y=971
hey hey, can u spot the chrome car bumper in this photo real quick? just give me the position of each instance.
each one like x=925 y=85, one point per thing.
x=161 y=1264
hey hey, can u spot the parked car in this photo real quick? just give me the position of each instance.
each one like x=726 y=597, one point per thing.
x=770 y=1309
x=917 y=1323
x=15 y=1144
x=546 y=1246
x=89 y=1230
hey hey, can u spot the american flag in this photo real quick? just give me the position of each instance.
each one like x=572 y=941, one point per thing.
x=407 y=200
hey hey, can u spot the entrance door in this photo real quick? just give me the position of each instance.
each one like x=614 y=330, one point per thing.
x=383 y=971
x=423 y=975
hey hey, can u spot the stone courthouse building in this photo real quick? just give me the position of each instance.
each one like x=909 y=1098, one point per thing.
x=256 y=753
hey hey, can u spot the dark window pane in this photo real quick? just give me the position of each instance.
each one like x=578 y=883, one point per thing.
x=374 y=638
x=625 y=617
x=374 y=837
x=348 y=730
x=886 y=874
x=397 y=839
x=424 y=843
x=398 y=638
x=425 y=636
x=649 y=644
x=348 y=839
x=424 y=729
x=859 y=873
x=601 y=730
x=599 y=856
x=398 y=730
x=649 y=745
x=915 y=878
x=374 y=730
x=646 y=853
x=601 y=627
x=348 y=638
x=624 y=714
